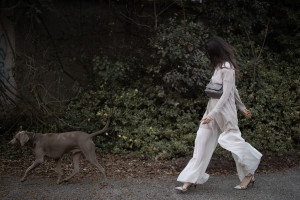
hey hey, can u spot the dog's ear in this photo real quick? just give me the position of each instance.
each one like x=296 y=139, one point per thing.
x=23 y=137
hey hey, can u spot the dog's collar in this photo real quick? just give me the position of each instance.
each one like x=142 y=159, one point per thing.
x=31 y=138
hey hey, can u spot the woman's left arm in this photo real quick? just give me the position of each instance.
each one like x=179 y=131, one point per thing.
x=240 y=104
x=238 y=100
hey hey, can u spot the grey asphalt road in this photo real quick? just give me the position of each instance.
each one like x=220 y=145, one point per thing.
x=269 y=186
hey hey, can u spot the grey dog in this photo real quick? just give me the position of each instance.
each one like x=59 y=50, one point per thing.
x=54 y=145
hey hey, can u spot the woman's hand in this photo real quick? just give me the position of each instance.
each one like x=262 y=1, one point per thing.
x=247 y=113
x=205 y=120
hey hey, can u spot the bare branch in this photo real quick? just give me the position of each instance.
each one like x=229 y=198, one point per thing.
x=136 y=23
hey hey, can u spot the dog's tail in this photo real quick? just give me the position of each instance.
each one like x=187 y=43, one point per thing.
x=102 y=130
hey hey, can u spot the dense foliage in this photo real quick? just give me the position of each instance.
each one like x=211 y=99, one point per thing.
x=274 y=100
x=158 y=115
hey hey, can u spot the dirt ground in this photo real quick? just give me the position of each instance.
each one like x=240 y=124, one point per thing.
x=15 y=162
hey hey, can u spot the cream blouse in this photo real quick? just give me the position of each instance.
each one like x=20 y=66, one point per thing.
x=223 y=111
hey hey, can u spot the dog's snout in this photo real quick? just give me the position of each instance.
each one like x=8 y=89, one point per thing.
x=12 y=142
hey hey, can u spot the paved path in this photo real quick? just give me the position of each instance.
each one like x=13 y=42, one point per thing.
x=271 y=186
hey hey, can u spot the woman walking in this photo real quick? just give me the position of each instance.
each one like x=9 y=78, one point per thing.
x=220 y=123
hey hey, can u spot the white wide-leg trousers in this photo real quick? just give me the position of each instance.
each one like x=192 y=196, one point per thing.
x=246 y=157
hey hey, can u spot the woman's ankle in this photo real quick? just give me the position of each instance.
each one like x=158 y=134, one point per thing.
x=186 y=185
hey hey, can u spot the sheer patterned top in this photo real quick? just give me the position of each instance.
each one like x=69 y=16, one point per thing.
x=225 y=75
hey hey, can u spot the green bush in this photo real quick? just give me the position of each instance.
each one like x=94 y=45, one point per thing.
x=147 y=122
x=142 y=120
x=180 y=62
x=274 y=101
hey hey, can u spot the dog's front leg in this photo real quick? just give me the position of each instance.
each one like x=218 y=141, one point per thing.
x=59 y=171
x=36 y=163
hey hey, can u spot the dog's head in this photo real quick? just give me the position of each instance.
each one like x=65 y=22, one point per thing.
x=20 y=139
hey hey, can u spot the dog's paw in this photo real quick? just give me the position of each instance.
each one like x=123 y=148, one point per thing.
x=102 y=185
x=22 y=179
x=65 y=180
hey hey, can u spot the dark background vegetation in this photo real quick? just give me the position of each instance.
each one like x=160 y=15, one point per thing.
x=143 y=63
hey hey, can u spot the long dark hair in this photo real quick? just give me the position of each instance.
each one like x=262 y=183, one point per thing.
x=219 y=52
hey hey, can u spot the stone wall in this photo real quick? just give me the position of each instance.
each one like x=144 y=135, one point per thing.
x=7 y=60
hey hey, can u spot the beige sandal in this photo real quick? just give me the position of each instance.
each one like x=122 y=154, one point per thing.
x=183 y=189
x=252 y=180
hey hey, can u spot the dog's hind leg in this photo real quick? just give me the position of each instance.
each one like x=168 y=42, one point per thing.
x=89 y=152
x=94 y=161
x=59 y=170
x=76 y=158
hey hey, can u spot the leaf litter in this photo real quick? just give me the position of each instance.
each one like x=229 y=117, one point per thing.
x=125 y=166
